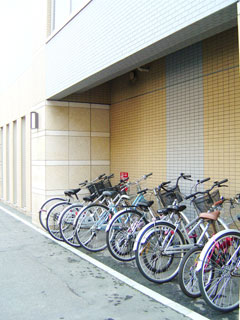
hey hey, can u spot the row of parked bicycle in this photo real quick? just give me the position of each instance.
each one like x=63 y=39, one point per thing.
x=203 y=252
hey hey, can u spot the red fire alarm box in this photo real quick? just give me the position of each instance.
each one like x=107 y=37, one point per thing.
x=123 y=175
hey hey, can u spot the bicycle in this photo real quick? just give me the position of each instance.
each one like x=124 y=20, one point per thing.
x=220 y=257
x=161 y=245
x=68 y=218
x=93 y=219
x=187 y=275
x=123 y=228
x=69 y=194
x=55 y=211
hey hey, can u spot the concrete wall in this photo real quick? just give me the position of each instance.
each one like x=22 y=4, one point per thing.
x=71 y=145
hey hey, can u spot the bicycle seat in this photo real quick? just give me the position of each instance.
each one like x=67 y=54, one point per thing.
x=170 y=209
x=71 y=192
x=90 y=198
x=145 y=204
x=210 y=215
x=110 y=194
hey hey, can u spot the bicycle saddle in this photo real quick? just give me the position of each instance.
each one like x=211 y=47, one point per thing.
x=71 y=192
x=145 y=204
x=210 y=215
x=90 y=198
x=110 y=194
x=170 y=209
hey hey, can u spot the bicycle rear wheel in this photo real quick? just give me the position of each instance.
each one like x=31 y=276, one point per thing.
x=222 y=258
x=154 y=260
x=122 y=233
x=44 y=210
x=53 y=219
x=67 y=224
x=90 y=227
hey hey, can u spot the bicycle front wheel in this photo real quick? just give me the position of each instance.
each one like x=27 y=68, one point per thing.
x=53 y=219
x=67 y=224
x=156 y=255
x=222 y=258
x=90 y=227
x=122 y=233
x=188 y=280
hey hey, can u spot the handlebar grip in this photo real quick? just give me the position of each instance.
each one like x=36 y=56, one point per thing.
x=204 y=180
x=111 y=176
x=148 y=175
x=142 y=191
x=165 y=183
x=221 y=182
x=83 y=183
x=101 y=176
x=185 y=176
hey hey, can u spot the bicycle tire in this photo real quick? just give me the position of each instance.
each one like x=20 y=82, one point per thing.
x=187 y=275
x=122 y=232
x=42 y=214
x=90 y=227
x=53 y=219
x=152 y=262
x=67 y=225
x=222 y=256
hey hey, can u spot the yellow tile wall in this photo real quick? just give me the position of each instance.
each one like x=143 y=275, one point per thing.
x=138 y=124
x=222 y=109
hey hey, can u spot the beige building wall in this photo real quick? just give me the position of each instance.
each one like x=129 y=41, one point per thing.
x=138 y=124
x=17 y=101
x=71 y=145
x=222 y=109
x=149 y=115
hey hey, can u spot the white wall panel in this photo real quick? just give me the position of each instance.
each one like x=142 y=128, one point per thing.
x=109 y=37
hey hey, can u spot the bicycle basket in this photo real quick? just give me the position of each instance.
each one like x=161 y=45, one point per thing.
x=107 y=184
x=168 y=197
x=91 y=189
x=203 y=203
x=99 y=187
x=215 y=195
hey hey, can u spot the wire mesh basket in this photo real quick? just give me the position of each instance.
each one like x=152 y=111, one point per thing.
x=215 y=195
x=168 y=197
x=97 y=188
x=205 y=202
x=107 y=184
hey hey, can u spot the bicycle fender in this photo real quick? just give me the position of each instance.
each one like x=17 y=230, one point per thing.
x=208 y=245
x=140 y=234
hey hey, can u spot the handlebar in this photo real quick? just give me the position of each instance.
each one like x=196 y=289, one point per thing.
x=144 y=177
x=216 y=184
x=185 y=176
x=203 y=180
x=182 y=176
x=100 y=177
x=83 y=184
x=147 y=175
x=109 y=177
x=142 y=191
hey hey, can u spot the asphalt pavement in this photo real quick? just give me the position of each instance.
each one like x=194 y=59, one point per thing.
x=44 y=279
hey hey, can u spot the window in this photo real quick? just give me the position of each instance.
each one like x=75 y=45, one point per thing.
x=63 y=9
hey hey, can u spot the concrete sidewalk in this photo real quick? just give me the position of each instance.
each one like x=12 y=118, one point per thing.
x=42 y=280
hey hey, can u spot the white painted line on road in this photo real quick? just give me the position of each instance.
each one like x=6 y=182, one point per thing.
x=150 y=293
